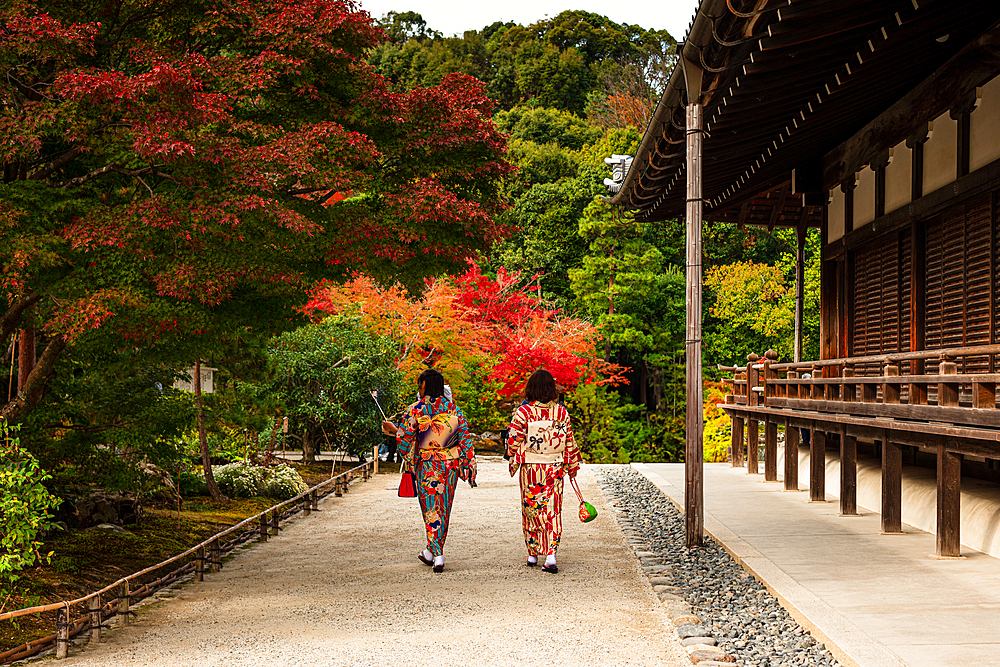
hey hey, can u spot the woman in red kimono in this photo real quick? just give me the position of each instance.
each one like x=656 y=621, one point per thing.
x=542 y=446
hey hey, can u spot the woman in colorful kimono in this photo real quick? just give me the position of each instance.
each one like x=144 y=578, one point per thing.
x=434 y=442
x=542 y=446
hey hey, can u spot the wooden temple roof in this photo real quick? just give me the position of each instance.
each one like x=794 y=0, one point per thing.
x=785 y=83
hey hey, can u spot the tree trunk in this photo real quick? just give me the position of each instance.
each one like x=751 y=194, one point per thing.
x=25 y=357
x=206 y=459
x=308 y=446
x=29 y=395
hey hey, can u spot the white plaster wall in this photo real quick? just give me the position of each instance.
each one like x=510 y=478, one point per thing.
x=864 y=198
x=898 y=177
x=984 y=127
x=980 y=514
x=941 y=154
x=835 y=216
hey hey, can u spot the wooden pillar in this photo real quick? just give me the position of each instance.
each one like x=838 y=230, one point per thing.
x=199 y=564
x=817 y=466
x=306 y=506
x=771 y=450
x=275 y=518
x=94 y=609
x=791 y=456
x=892 y=486
x=314 y=501
x=848 y=473
x=694 y=511
x=736 y=442
x=753 y=446
x=375 y=460
x=263 y=527
x=949 y=502
x=800 y=278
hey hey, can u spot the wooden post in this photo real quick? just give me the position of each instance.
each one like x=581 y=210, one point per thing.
x=736 y=440
x=314 y=500
x=791 y=456
x=892 y=486
x=753 y=446
x=216 y=556
x=306 y=506
x=890 y=389
x=817 y=467
x=947 y=391
x=124 y=602
x=984 y=395
x=62 y=633
x=275 y=518
x=263 y=527
x=849 y=392
x=949 y=502
x=771 y=449
x=848 y=473
x=94 y=608
x=375 y=460
x=800 y=275
x=199 y=564
x=694 y=511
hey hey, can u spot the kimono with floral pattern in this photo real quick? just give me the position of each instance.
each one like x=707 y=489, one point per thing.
x=541 y=445
x=436 y=445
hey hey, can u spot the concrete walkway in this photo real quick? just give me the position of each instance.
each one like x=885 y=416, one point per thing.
x=875 y=599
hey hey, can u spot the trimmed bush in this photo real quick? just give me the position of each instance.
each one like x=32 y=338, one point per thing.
x=283 y=482
x=240 y=479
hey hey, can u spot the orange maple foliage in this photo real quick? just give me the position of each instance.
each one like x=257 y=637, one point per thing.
x=471 y=322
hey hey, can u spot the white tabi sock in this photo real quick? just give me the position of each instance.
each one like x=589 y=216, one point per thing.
x=427 y=554
x=550 y=560
x=438 y=561
x=532 y=559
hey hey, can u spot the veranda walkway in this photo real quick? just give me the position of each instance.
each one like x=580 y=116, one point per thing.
x=882 y=599
x=344 y=587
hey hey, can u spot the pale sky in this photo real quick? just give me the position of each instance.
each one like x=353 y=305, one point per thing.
x=453 y=17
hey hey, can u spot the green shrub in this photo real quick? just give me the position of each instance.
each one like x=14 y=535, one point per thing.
x=193 y=483
x=240 y=479
x=283 y=482
x=24 y=506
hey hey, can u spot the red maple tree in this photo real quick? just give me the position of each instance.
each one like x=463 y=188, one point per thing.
x=168 y=165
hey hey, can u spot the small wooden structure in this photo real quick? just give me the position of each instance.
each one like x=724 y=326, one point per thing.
x=877 y=122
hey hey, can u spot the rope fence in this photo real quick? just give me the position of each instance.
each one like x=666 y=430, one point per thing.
x=115 y=600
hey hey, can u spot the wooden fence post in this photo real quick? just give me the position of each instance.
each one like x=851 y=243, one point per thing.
x=306 y=506
x=124 y=601
x=314 y=500
x=94 y=607
x=336 y=487
x=199 y=564
x=216 y=556
x=263 y=527
x=375 y=460
x=62 y=633
x=275 y=518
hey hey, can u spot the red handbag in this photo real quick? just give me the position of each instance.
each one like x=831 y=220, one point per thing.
x=407 y=485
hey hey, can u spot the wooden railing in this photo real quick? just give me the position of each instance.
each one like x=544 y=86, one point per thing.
x=900 y=388
x=116 y=599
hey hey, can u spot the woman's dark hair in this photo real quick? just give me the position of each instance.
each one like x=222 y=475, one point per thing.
x=541 y=387
x=433 y=383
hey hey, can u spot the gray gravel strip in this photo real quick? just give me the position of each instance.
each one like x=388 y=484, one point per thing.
x=732 y=616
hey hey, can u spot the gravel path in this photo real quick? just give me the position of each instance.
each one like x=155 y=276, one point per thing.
x=343 y=587
x=734 y=609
